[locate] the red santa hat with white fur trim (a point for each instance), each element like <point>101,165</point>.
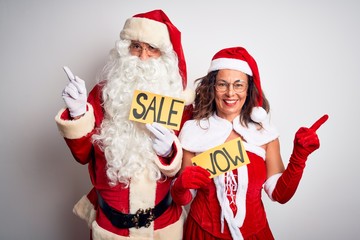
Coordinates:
<point>237,58</point>
<point>156,29</point>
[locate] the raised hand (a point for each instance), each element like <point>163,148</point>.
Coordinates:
<point>306,140</point>
<point>75,94</point>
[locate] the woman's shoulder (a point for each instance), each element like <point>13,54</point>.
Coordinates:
<point>200,135</point>
<point>257,134</point>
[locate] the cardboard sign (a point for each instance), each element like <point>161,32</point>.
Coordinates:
<point>148,107</point>
<point>223,158</point>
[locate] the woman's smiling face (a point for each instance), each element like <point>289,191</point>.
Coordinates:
<point>230,93</point>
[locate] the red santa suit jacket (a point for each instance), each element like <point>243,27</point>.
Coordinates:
<point>143,193</point>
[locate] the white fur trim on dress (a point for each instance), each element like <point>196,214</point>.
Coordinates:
<point>254,134</point>
<point>270,184</point>
<point>200,136</point>
<point>234,222</point>
<point>174,231</point>
<point>230,63</point>
<point>85,210</point>
<point>255,149</point>
<point>74,129</point>
<point>172,169</point>
<point>146,30</point>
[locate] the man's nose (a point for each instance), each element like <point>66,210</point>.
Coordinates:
<point>144,54</point>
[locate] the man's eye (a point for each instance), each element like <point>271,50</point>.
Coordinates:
<point>153,49</point>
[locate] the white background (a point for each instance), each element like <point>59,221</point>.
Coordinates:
<point>308,54</point>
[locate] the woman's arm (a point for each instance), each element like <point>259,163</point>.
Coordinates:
<point>186,159</point>
<point>282,186</point>
<point>274,163</point>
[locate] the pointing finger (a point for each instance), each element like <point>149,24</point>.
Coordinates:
<point>319,122</point>
<point>69,74</point>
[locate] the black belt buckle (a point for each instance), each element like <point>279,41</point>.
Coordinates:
<point>143,218</point>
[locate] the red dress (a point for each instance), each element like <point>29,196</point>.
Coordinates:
<point>204,221</point>
<point>242,206</point>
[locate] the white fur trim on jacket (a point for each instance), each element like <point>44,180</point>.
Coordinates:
<point>74,129</point>
<point>173,232</point>
<point>171,169</point>
<point>85,210</point>
<point>142,195</point>
<point>146,30</point>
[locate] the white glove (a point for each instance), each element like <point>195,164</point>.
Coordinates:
<point>74,94</point>
<point>164,138</point>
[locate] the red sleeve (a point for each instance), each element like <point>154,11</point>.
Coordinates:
<point>81,148</point>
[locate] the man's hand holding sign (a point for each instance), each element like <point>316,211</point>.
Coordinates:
<point>159,113</point>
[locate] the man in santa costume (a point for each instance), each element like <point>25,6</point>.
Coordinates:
<point>131,165</point>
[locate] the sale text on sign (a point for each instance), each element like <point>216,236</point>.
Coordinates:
<point>148,107</point>
<point>223,158</point>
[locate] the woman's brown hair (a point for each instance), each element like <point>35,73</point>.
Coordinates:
<point>205,99</point>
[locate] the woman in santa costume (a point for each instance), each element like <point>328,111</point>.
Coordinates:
<point>230,104</point>
<point>131,165</point>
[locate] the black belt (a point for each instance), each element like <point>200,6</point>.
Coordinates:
<point>142,218</point>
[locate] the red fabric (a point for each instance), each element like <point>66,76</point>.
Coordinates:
<point>193,177</point>
<point>117,197</point>
<point>194,231</point>
<point>306,141</point>
<point>205,209</point>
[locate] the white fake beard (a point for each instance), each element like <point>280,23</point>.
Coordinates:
<point>127,145</point>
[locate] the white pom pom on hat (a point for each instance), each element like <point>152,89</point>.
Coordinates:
<point>237,58</point>
<point>258,114</point>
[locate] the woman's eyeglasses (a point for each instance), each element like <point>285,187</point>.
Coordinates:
<point>239,86</point>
